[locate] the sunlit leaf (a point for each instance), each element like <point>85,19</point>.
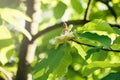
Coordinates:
<point>14,14</point>
<point>98,25</point>
<point>89,69</point>
<point>4,33</point>
<point>76,56</point>
<point>5,42</point>
<point>17,14</point>
<point>3,54</point>
<point>5,74</point>
<point>115,1</point>
<point>81,51</point>
<point>77,6</point>
<point>104,40</point>
<point>56,64</point>
<point>59,10</point>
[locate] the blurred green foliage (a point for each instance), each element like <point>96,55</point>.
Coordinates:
<point>70,60</point>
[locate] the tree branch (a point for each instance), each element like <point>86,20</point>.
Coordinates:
<point>50,28</point>
<point>95,46</point>
<point>27,50</point>
<point>53,27</point>
<point>87,9</point>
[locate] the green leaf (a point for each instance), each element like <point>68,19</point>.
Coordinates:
<point>98,15</point>
<point>99,56</point>
<point>117,30</point>
<point>4,33</point>
<point>90,68</point>
<point>15,14</point>
<point>76,56</point>
<point>98,25</point>
<point>47,66</point>
<point>112,76</point>
<point>5,42</point>
<point>59,10</point>
<point>63,65</point>
<point>117,40</point>
<point>91,51</point>
<point>3,54</point>
<point>80,49</point>
<point>77,6</point>
<point>104,40</point>
<point>5,74</point>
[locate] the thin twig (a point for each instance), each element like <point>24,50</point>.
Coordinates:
<point>87,9</point>
<point>95,46</point>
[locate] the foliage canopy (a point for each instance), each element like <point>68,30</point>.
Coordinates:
<point>87,51</point>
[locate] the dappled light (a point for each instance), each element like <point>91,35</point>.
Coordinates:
<point>59,40</point>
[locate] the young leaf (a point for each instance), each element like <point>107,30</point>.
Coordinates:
<point>14,14</point>
<point>104,40</point>
<point>59,10</point>
<point>77,6</point>
<point>98,25</point>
